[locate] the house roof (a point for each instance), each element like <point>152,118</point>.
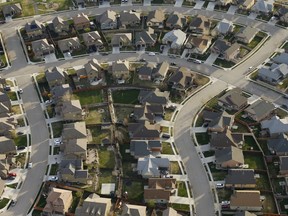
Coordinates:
<point>129,16</point>
<point>4,110</point>
<point>75,146</point>
<point>58,21</point>
<point>162,69</point>
<point>176,37</point>
<point>75,130</point>
<point>133,210</point>
<point>150,165</point>
<point>235,47</point>
<point>71,106</point>
<point>94,205</point>
<point>281,58</point>
<point>61,91</point>
<point>278,145</point>
<point>148,36</point>
<point>120,66</point>
<point>156,16</point>
<point>200,22</point>
<point>224,26</point>
<point>58,198</point>
<point>240,176</point>
<point>260,108</point>
<point>226,139</point>
<point>161,183</point>
<point>92,36</point>
<point>245,198</point>
<point>34,26</point>
<point>70,163</point>
<point>221,45</point>
<point>229,153</point>
<point>107,17</point>
<point>159,188</point>
<point>142,148</point>
<point>182,77</point>
<point>264,6</point>
<point>7,124</point>
<point>6,145</point>
<point>7,9</point>
<point>275,125</point>
<point>233,97</point>
<point>65,44</point>
<point>119,38</point>
<point>247,32</point>
<point>283,163</point>
<point>222,121</point>
<point>81,18</point>
<point>266,72</point>
<point>176,19</point>
<point>200,43</point>
<point>154,97</point>
<point>170,212</point>
<point>144,130</point>
<point>41,44</point>
<point>56,73</point>
<point>146,70</point>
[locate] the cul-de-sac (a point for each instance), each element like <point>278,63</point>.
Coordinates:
<point>143,107</point>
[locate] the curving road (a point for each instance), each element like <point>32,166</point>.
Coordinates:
<point>39,131</point>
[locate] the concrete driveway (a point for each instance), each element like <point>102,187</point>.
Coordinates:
<point>232,9</point>
<point>211,59</point>
<point>199,5</point>
<point>210,6</point>
<point>178,3</point>
<point>50,58</point>
<point>116,50</point>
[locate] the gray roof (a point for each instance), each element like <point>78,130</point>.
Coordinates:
<point>229,153</point>
<point>107,17</point>
<point>223,121</point>
<point>65,44</point>
<point>260,108</point>
<point>146,70</point>
<point>150,165</point>
<point>41,44</point>
<point>162,69</point>
<point>233,97</point>
<point>278,145</point>
<point>148,111</point>
<point>75,130</point>
<point>221,140</point>
<point>144,130</point>
<point>176,19</point>
<point>71,106</point>
<point>240,176</point>
<point>283,163</point>
<point>275,125</point>
<point>200,21</point>
<point>119,38</point>
<point>235,47</point>
<point>264,6</point>
<point>34,26</point>
<point>76,163</point>
<point>182,77</point>
<point>6,145</point>
<point>75,145</point>
<point>247,32</point>
<point>281,58</point>
<point>12,9</point>
<point>148,36</point>
<point>153,97</point>
<point>210,116</point>
<point>5,99</point>
<point>120,66</point>
<point>221,45</point>
<point>142,148</point>
<point>61,91</point>
<point>129,16</point>
<point>55,73</point>
<point>224,26</point>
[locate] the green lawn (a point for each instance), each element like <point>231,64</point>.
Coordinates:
<point>250,143</point>
<point>106,159</point>
<point>199,121</point>
<point>269,205</point>
<point>174,167</point>
<point>20,140</point>
<point>202,138</point>
<point>218,175</point>
<point>3,202</point>
<point>89,97</point>
<point>98,135</point>
<point>42,202</point>
<point>94,116</point>
<point>281,113</point>
<point>56,150</point>
<point>128,170</point>
<point>12,95</point>
<point>262,183</point>
<point>255,161</point>
<point>166,148</point>
<point>57,128</point>
<point>14,186</point>
<point>282,206</point>
<point>54,169</point>
<point>76,198</point>
<point>209,153</point>
<point>126,96</point>
<point>21,159</point>
<point>224,194</point>
<point>256,40</point>
<point>180,207</point>
<point>223,63</point>
<point>105,176</point>
<point>168,114</point>
<point>241,128</point>
<point>135,190</point>
<point>20,122</point>
<point>165,129</point>
<point>182,191</point>
<point>285,46</point>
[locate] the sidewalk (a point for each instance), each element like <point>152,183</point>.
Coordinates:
<point>181,200</point>
<point>171,157</point>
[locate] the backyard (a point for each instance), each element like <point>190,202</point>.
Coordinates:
<point>106,159</point>
<point>254,160</point>
<point>250,144</point>
<point>134,189</point>
<point>126,96</point>
<point>89,97</point>
<point>98,134</point>
<point>97,115</point>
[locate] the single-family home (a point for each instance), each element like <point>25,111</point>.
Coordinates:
<point>55,76</point>
<point>226,139</point>
<point>71,110</point>
<point>121,39</point>
<point>264,6</point>
<point>282,13</point>
<point>224,27</point>
<point>175,21</point>
<point>76,130</point>
<point>181,80</point>
<point>132,210</point>
<point>59,26</point>
<point>69,44</point>
<point>229,157</point>
<point>233,100</point>
<point>246,200</point>
<point>156,18</point>
<point>198,45</point>
<point>81,21</point>
<point>120,69</point>
<point>220,46</point>
<point>200,25</point>
<point>246,34</point>
<point>232,53</point>
<point>92,70</point>
<point>153,97</point>
<point>283,165</point>
<point>274,74</point>
<point>92,40</point>
<point>71,170</point>
<point>58,202</point>
<point>42,48</point>
<point>7,146</point>
<point>282,58</point>
<point>4,99</point>
<point>145,72</point>
<point>275,126</point>
<point>175,39</point>
<point>34,29</point>
<point>143,148</point>
<point>170,212</point>
<point>4,110</point>
<point>278,145</point>
<point>148,112</point>
<point>107,20</point>
<point>94,205</point>
<point>160,71</point>
<point>144,130</point>
<point>12,10</point>
<point>218,122</point>
<point>152,167</point>
<point>159,190</point>
<point>74,148</point>
<point>145,38</point>
<point>7,126</point>
<point>240,179</point>
<point>245,4</point>
<point>61,93</point>
<point>129,18</point>
<point>259,110</point>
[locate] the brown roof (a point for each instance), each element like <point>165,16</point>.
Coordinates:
<point>161,183</point>
<point>246,198</point>
<point>159,188</point>
<point>80,18</point>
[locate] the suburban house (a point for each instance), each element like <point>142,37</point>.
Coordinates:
<point>41,48</point>
<point>224,27</point>
<point>198,45</point>
<point>245,4</point>
<point>61,93</point>
<point>145,72</point>
<point>151,167</point>
<point>240,179</point>
<point>94,205</point>
<point>275,126</point>
<point>129,18</point>
<point>92,40</point>
<point>4,110</point>
<point>232,52</point>
<point>175,39</point>
<point>246,200</point>
<point>259,110</point>
<point>144,130</point>
<point>121,40</point>
<point>263,6</point>
<point>282,58</point>
<point>69,44</point>
<point>159,190</point>
<point>74,148</point>
<point>153,97</point>
<point>143,148</point>
<point>120,69</point>
<point>230,157</point>
<point>107,20</point>
<point>58,202</point>
<point>279,145</point>
<point>233,100</point>
<point>181,80</point>
<point>92,71</point>
<point>170,212</point>
<point>71,110</point>
<point>283,165</point>
<point>274,74</point>
<point>76,130</point>
<point>282,13</point>
<point>148,112</point>
<point>5,100</point>
<point>200,25</point>
<point>81,21</point>
<point>7,146</point>
<point>246,34</point>
<point>226,139</point>
<point>175,21</point>
<point>218,122</point>
<point>220,46</point>
<point>71,170</point>
<point>132,210</point>
<point>7,126</point>
<point>55,76</point>
<point>34,29</point>
<point>155,18</point>
<point>160,71</point>
<point>12,10</point>
<point>145,38</point>
<point>59,26</point>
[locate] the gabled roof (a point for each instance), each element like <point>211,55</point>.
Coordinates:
<point>80,18</point>
<point>162,69</point>
<point>156,16</point>
<point>260,108</point>
<point>6,145</point>
<point>92,36</point>
<point>275,125</point>
<point>120,66</point>
<point>247,32</point>
<point>107,17</point>
<point>281,58</point>
<point>129,16</point>
<point>75,130</point>
<point>224,26</point>
<point>278,145</point>
<point>75,146</point>
<point>56,73</point>
<point>235,47</point>
<point>8,9</point>
<point>227,139</point>
<point>142,148</point>
<point>224,120</point>
<point>34,26</point>
<point>200,22</point>
<point>65,44</point>
<point>153,97</point>
<point>144,130</point>
<point>229,153</point>
<point>233,97</point>
<point>150,165</point>
<point>182,77</point>
<point>58,200</point>
<point>175,37</point>
<point>200,43</point>
<point>221,45</point>
<point>71,106</point>
<point>176,19</point>
<point>121,38</point>
<point>42,45</point>
<point>246,198</point>
<point>146,70</point>
<point>240,176</point>
<point>159,188</point>
<point>61,91</point>
<point>264,6</point>
<point>133,210</point>
<point>146,36</point>
<point>58,21</point>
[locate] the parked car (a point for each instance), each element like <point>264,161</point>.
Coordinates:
<point>30,165</point>
<point>12,174</point>
<point>13,203</point>
<point>196,61</point>
<point>57,141</point>
<point>165,135</point>
<point>151,54</point>
<point>21,147</point>
<point>7,88</point>
<point>173,64</point>
<point>190,60</point>
<point>219,185</point>
<point>20,91</point>
<point>53,178</point>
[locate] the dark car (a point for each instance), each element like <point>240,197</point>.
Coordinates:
<point>21,147</point>
<point>166,136</point>
<point>173,64</point>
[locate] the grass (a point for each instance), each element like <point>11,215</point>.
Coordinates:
<point>122,113</point>
<point>20,140</point>
<point>89,97</point>
<point>54,169</point>
<point>269,206</point>
<point>3,202</point>
<point>182,190</point>
<point>98,135</point>
<point>223,63</point>
<point>224,194</point>
<point>209,153</point>
<point>250,143</point>
<point>16,109</point>
<point>165,129</point>
<point>42,202</point>
<point>106,159</point>
<point>218,175</point>
<point>36,212</point>
<point>126,96</point>
<point>14,186</point>
<point>128,170</point>
<point>105,176</point>
<point>168,114</point>
<point>201,80</point>
<point>57,128</point>
<point>181,207</point>
<point>76,198</point>
<point>262,183</point>
<point>285,46</point>
<point>12,95</point>
<point>21,159</point>
<point>241,128</point>
<point>56,150</point>
<point>277,187</point>
<point>93,116</point>
<point>166,148</point>
<point>62,4</point>
<point>284,202</point>
<point>256,40</point>
<point>255,161</point>
<point>202,138</point>
<point>174,167</point>
<point>135,190</point>
<point>281,113</point>
<point>199,121</point>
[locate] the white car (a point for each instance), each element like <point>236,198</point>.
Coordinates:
<point>53,178</point>
<point>196,61</point>
<point>151,54</point>
<point>20,91</point>
<point>57,141</point>
<point>30,165</point>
